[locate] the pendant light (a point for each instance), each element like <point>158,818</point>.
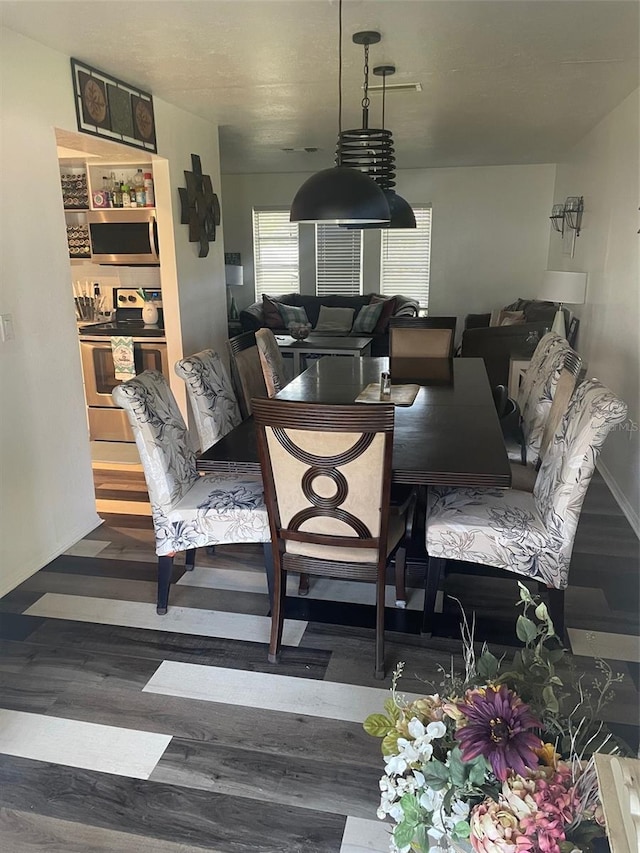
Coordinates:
<point>340,195</point>
<point>376,154</point>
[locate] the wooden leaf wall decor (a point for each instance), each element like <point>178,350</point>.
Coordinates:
<point>200,207</point>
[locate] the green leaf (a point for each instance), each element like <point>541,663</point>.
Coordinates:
<point>457,769</point>
<point>541,612</point>
<point>392,710</point>
<point>410,807</point>
<point>526,630</point>
<point>377,725</point>
<point>403,833</point>
<point>420,838</point>
<point>462,829</point>
<point>390,743</point>
<point>487,666</point>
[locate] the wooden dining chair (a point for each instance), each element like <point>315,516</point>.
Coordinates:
<point>421,337</point>
<point>529,534</point>
<point>211,396</point>
<point>246,370</point>
<point>327,478</point>
<point>273,369</point>
<point>189,511</point>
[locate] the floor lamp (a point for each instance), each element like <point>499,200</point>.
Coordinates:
<point>562,286</point>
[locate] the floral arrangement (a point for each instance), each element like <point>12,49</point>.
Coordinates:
<point>493,761</point>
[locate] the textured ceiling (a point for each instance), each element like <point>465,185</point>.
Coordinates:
<point>513,81</point>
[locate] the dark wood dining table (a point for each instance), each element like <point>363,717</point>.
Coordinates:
<point>450,435</point>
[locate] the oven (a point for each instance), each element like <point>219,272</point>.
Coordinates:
<point>107,422</point>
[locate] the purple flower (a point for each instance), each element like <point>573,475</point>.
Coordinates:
<point>498,728</point>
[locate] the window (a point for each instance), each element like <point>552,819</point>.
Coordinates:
<point>338,260</point>
<point>275,252</point>
<point>405,258</point>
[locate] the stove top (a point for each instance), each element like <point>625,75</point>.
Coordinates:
<point>134,327</point>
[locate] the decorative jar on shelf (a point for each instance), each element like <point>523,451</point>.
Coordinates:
<point>149,314</point>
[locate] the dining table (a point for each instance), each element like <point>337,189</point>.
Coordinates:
<point>449,436</point>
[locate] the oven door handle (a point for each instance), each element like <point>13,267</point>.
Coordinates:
<point>106,339</point>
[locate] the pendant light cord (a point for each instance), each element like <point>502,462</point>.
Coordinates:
<point>339,163</point>
<point>384,90</point>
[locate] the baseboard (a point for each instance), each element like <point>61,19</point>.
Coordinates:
<point>621,499</point>
<point>12,583</point>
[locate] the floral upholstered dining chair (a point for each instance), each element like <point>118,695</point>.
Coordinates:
<point>538,389</point>
<point>530,534</point>
<point>213,402</point>
<point>189,511</point>
<point>273,369</point>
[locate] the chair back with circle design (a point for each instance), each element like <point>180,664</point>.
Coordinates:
<point>421,337</point>
<point>327,476</point>
<point>211,397</point>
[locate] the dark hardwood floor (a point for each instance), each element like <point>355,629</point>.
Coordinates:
<point>124,731</point>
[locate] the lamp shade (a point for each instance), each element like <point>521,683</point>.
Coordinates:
<point>402,216</point>
<point>564,286</point>
<point>340,195</point>
<point>233,275</point>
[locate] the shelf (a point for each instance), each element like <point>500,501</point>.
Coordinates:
<point>77,209</point>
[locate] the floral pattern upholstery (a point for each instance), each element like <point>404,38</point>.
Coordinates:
<point>188,511</point>
<point>272,362</point>
<point>529,534</point>
<point>538,388</point>
<point>213,402</point>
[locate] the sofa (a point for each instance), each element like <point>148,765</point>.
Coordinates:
<point>266,313</point>
<point>514,330</point>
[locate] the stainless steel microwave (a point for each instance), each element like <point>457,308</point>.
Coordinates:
<point>127,237</point>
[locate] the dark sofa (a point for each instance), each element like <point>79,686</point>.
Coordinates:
<point>252,318</point>
<point>497,344</point>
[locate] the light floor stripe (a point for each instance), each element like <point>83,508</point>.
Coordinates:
<point>108,749</point>
<point>123,507</point>
<point>326,699</point>
<point>365,836</point>
<point>601,644</point>
<point>321,589</point>
<point>181,620</point>
<point>87,548</point>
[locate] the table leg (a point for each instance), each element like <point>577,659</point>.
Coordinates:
<point>296,363</point>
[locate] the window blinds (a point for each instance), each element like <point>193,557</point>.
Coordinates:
<point>405,258</point>
<point>338,261</point>
<point>275,253</point>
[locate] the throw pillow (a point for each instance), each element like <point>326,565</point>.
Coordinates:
<point>338,320</point>
<point>291,314</point>
<point>367,318</point>
<point>388,307</point>
<point>511,318</point>
<point>272,317</point>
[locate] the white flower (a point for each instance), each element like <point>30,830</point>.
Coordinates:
<point>395,764</point>
<point>436,730</point>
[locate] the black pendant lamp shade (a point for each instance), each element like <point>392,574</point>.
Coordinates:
<point>340,195</point>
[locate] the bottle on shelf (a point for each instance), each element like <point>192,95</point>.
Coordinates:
<point>116,192</point>
<point>138,188</point>
<point>149,197</point>
<point>126,195</point>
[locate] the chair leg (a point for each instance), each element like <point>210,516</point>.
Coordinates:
<point>277,614</point>
<point>556,610</point>
<point>211,550</point>
<point>303,586</point>
<point>401,565</point>
<point>435,570</point>
<point>165,567</point>
<point>190,559</point>
<point>269,571</point>
<point>380,591</point>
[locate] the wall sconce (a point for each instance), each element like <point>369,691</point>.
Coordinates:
<point>557,217</point>
<point>573,207</point>
<point>568,215</point>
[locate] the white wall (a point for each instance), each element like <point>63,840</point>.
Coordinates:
<point>603,168</point>
<point>46,487</point>
<point>490,229</point>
